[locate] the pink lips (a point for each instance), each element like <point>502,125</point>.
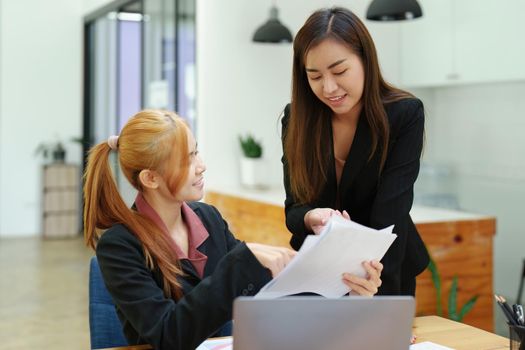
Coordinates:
<point>336,102</point>
<point>199,183</point>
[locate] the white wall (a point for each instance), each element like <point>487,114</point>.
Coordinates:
<point>478,130</point>
<point>92,5</point>
<point>41,47</point>
<point>40,86</point>
<point>243,86</point>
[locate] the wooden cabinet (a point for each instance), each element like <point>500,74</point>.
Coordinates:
<point>460,246</point>
<point>61,200</point>
<point>463,42</point>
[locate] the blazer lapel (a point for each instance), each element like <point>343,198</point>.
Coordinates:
<point>189,270</point>
<point>211,264</point>
<point>358,155</point>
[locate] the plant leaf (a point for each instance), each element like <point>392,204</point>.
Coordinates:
<point>436,280</point>
<point>452,299</point>
<point>467,307</point>
<point>251,148</point>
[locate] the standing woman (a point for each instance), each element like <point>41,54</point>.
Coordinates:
<point>352,143</point>
<point>170,264</point>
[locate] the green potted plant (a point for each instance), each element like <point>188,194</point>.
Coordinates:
<point>251,162</point>
<point>53,152</point>
<point>453,312</point>
<point>251,148</point>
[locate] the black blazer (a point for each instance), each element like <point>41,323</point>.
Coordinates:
<point>373,200</point>
<point>148,316</point>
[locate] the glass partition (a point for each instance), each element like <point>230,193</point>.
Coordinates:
<point>186,77</point>
<point>138,54</point>
<point>169,56</point>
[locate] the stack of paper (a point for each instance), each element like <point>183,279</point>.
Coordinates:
<point>319,265</point>
<point>426,345</point>
<point>225,343</point>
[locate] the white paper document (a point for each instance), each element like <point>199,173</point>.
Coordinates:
<point>225,343</point>
<point>426,345</point>
<point>319,265</point>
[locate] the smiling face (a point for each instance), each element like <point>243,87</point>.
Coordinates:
<point>336,76</point>
<point>193,188</point>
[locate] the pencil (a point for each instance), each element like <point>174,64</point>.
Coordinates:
<point>507,311</point>
<point>507,306</point>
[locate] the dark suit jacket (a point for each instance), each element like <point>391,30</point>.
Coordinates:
<point>373,200</point>
<point>148,316</point>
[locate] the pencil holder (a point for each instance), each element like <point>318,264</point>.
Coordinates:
<point>517,337</point>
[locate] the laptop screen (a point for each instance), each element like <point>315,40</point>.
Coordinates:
<point>317,323</point>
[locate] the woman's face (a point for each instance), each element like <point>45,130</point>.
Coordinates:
<point>336,76</point>
<point>193,187</point>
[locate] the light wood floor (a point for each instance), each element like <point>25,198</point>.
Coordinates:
<point>44,294</point>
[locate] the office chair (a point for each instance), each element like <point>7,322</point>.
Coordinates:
<point>104,325</point>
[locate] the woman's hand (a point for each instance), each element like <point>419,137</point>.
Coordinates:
<point>365,286</point>
<point>273,258</point>
<point>316,219</point>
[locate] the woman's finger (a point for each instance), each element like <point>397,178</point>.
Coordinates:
<point>273,258</point>
<point>359,289</point>
<point>360,285</point>
<point>377,265</point>
<point>373,273</point>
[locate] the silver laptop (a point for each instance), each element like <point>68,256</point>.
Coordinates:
<point>317,323</point>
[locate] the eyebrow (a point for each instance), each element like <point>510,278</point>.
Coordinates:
<point>196,145</point>
<point>330,66</point>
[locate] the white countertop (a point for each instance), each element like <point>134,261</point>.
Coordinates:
<point>275,196</point>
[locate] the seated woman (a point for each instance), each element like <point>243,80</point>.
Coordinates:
<point>170,263</point>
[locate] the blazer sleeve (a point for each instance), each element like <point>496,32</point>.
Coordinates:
<point>163,322</point>
<point>395,192</point>
<point>294,212</point>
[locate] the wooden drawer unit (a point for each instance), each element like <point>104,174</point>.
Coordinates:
<point>61,200</point>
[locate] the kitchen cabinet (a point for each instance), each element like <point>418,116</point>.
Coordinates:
<point>463,42</point>
<point>490,40</point>
<point>386,40</point>
<point>426,46</point>
<point>460,243</point>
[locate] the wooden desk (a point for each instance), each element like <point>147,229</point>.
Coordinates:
<point>438,330</point>
<point>458,336</point>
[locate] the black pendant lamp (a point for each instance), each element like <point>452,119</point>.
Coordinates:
<point>273,31</point>
<point>393,10</point>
